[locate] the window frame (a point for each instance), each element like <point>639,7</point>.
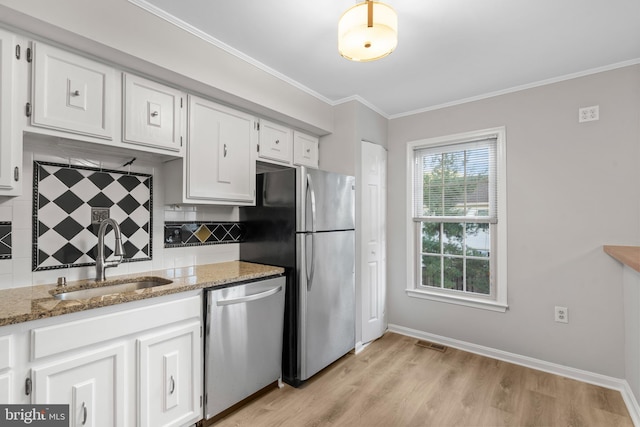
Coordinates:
<point>498,258</point>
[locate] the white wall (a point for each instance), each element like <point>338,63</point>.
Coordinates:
<point>571,188</point>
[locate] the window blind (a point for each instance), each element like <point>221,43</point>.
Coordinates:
<point>456,182</point>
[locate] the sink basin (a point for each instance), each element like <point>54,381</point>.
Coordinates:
<point>112,287</point>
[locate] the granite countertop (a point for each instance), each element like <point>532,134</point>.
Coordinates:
<point>19,305</point>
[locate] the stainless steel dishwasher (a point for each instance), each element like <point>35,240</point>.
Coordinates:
<point>243,341</point>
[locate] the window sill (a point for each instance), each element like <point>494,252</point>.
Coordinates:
<point>459,300</point>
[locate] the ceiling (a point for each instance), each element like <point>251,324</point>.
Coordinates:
<point>448,51</point>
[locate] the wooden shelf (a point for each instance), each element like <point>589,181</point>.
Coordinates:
<point>628,255</point>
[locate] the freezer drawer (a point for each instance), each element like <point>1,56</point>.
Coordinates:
<point>243,341</point>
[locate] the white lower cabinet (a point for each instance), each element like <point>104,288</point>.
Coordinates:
<point>6,374</point>
<point>135,364</point>
<point>170,376</point>
<point>6,385</point>
<point>92,384</point>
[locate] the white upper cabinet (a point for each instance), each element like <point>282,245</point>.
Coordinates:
<point>305,149</point>
<point>276,142</point>
<point>72,93</point>
<point>10,145</point>
<point>153,114</point>
<point>220,165</point>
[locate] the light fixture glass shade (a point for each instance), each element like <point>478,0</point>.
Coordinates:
<point>362,37</point>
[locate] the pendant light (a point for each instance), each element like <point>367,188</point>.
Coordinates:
<point>368,31</point>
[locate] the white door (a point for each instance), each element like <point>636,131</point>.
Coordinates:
<point>373,240</point>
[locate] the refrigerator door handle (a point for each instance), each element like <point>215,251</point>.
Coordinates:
<point>312,194</point>
<point>310,270</point>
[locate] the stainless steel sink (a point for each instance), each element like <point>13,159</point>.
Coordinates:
<point>112,287</point>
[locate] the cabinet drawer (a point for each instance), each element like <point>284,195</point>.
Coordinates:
<point>50,340</point>
<point>152,113</point>
<point>72,93</point>
<point>275,142</point>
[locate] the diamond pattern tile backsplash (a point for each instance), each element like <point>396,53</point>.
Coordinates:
<point>197,233</point>
<point>5,240</point>
<point>63,196</point>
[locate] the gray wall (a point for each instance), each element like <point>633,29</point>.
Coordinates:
<point>571,188</point>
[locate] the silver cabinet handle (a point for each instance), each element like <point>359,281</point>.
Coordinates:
<point>154,114</point>
<point>172,387</point>
<point>84,413</point>
<point>75,93</point>
<point>248,298</point>
<point>225,150</point>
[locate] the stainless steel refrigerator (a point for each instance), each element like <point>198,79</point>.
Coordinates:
<point>304,221</point>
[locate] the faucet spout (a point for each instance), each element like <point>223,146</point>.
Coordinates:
<point>101,262</point>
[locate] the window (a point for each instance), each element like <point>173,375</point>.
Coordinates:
<point>457,220</point>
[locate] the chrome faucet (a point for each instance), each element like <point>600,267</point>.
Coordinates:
<point>101,262</point>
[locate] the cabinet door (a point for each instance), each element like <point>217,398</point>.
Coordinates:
<point>91,383</point>
<point>220,154</point>
<point>71,93</point>
<point>152,113</point>
<point>9,146</point>
<point>276,142</point>
<point>305,150</point>
<point>170,379</point>
<point>6,350</point>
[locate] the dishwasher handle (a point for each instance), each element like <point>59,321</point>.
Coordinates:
<point>253,297</point>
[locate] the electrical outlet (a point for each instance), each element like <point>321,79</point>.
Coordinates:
<point>589,114</point>
<point>562,314</point>
<point>99,214</point>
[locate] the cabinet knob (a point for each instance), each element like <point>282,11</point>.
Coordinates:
<point>75,93</point>
<point>308,150</point>
<point>154,114</point>
<point>225,150</point>
<point>277,141</point>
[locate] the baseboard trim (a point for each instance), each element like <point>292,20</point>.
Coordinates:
<point>618,384</point>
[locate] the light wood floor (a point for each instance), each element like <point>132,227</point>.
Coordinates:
<point>393,382</point>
